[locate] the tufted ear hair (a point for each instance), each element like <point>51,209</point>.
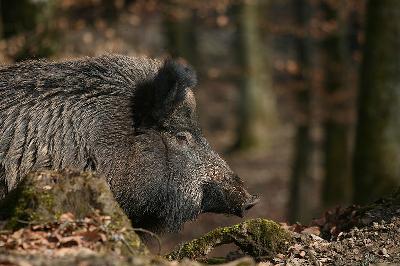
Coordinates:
<point>172,84</point>
<point>157,99</point>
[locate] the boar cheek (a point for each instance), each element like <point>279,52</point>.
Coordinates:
<point>214,199</point>
<point>138,184</point>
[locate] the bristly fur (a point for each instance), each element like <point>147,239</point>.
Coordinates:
<point>132,120</point>
<point>183,75</point>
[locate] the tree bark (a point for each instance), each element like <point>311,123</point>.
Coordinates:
<point>337,181</point>
<point>257,107</point>
<point>180,32</point>
<point>300,202</point>
<point>17,16</point>
<point>377,150</point>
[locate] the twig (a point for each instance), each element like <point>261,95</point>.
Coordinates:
<point>151,234</point>
<point>122,238</point>
<point>28,222</point>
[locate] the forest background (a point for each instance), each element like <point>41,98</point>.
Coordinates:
<point>301,96</point>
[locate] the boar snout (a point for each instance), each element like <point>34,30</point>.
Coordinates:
<point>251,201</point>
<point>247,205</point>
<point>227,196</point>
<point>239,198</point>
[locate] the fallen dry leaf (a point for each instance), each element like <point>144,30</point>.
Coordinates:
<point>67,217</point>
<point>315,230</point>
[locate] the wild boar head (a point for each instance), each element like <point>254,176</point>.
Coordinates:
<point>132,120</point>
<point>174,174</point>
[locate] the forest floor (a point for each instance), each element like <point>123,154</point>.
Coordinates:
<point>355,235</point>
<point>378,243</point>
<point>351,236</point>
<point>345,236</point>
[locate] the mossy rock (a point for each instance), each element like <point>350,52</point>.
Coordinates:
<point>259,238</point>
<point>42,197</point>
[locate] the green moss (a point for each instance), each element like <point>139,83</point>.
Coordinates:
<point>21,207</point>
<point>268,236</point>
<point>257,238</point>
<point>43,196</point>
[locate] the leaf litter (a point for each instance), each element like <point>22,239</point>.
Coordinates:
<point>57,238</point>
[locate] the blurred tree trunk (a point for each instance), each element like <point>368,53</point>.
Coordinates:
<point>23,18</point>
<point>335,54</point>
<point>1,20</point>
<point>377,150</point>
<point>180,31</point>
<point>17,16</point>
<point>111,10</point>
<point>300,202</point>
<point>257,107</point>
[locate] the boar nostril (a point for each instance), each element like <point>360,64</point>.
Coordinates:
<point>253,201</point>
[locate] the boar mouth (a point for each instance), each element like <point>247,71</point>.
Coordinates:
<point>254,200</point>
<point>217,200</point>
<point>247,206</point>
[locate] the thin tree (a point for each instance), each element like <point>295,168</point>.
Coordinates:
<point>181,31</point>
<point>300,205</point>
<point>23,17</point>
<point>335,54</point>
<point>18,16</point>
<point>257,107</point>
<point>377,150</point>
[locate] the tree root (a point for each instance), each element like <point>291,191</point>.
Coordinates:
<point>259,238</point>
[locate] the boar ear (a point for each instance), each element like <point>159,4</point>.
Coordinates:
<point>172,84</point>
<point>155,101</point>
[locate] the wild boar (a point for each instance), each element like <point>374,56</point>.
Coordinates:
<point>132,120</point>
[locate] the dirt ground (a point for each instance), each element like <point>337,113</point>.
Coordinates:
<point>351,236</point>
<point>378,243</point>
<point>355,235</point>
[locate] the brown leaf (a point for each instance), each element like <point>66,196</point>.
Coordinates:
<point>53,239</point>
<point>296,248</point>
<point>103,237</point>
<point>25,245</point>
<point>312,230</point>
<point>67,217</point>
<point>70,241</point>
<point>92,236</point>
<point>17,234</point>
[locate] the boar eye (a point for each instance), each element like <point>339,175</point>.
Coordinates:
<point>183,137</point>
